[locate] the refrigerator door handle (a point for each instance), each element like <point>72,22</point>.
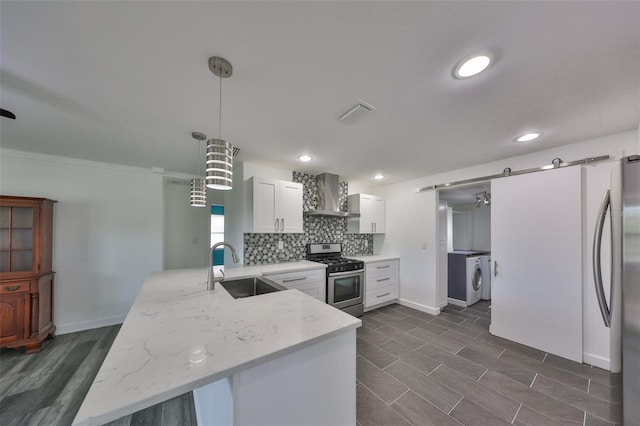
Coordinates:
<point>596,258</point>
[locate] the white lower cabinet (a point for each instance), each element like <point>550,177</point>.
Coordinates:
<point>312,282</point>
<point>381,283</point>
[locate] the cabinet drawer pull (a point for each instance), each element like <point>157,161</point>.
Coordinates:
<point>294,279</point>
<point>384,279</point>
<point>11,287</point>
<point>383,295</point>
<point>382,267</point>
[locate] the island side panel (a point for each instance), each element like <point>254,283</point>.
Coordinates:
<point>315,385</point>
<point>214,403</point>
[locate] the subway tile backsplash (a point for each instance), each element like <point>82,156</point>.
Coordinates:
<point>263,248</point>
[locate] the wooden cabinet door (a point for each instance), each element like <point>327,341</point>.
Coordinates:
<point>366,216</point>
<point>378,215</point>
<point>12,318</point>
<point>290,207</point>
<point>264,205</point>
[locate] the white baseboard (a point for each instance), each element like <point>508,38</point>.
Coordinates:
<point>87,325</point>
<point>457,302</point>
<point>424,308</point>
<point>596,361</point>
<point>442,304</point>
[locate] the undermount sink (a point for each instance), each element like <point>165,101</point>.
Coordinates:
<point>247,287</point>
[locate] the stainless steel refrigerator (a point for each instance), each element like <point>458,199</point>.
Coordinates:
<point>622,312</point>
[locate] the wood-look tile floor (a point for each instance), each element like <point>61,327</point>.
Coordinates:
<point>419,369</point>
<point>412,369</point>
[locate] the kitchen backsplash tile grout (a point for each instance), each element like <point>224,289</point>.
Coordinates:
<point>263,248</point>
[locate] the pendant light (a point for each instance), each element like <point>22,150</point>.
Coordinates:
<point>198,190</point>
<point>219,163</point>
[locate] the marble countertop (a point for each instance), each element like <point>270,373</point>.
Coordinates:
<point>374,258</point>
<point>178,337</point>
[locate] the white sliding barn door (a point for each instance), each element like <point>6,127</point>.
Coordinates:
<point>536,240</point>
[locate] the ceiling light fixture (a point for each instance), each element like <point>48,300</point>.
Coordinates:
<point>305,158</point>
<point>471,66</point>
<point>379,176</point>
<point>198,190</point>
<point>528,137</point>
<point>219,170</point>
<point>483,199</point>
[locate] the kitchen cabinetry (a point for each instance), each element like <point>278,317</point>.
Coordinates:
<point>312,282</point>
<point>372,214</point>
<point>274,206</point>
<point>26,278</point>
<point>381,282</point>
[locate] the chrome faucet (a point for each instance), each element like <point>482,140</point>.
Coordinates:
<point>211,278</point>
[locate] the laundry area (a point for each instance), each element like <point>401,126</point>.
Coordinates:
<point>468,230</point>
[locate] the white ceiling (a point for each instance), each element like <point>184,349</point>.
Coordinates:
<point>127,82</point>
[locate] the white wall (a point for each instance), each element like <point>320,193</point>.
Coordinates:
<point>411,223</point>
<point>481,227</point>
<point>107,232</point>
<point>411,216</point>
<point>187,231</point>
<point>471,227</point>
<point>462,229</point>
<point>252,169</point>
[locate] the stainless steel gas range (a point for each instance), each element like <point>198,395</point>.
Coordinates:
<point>345,277</point>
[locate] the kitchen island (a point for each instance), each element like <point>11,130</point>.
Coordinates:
<point>277,358</point>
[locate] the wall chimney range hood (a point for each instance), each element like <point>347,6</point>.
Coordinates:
<point>328,197</point>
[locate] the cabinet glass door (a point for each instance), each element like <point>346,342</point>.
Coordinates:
<point>16,239</point>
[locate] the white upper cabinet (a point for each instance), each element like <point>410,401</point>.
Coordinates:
<point>274,205</point>
<point>372,214</point>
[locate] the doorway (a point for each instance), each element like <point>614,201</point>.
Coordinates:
<point>465,246</point>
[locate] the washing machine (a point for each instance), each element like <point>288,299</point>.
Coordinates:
<point>474,280</point>
<point>485,262</point>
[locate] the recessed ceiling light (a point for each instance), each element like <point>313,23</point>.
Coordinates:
<point>472,66</point>
<point>378,176</point>
<point>305,158</point>
<point>528,137</point>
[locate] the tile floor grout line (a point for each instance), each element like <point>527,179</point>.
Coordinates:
<point>482,375</point>
<point>402,417</point>
<point>588,386</point>
<point>454,407</point>
<point>584,419</point>
<point>456,352</point>
<point>441,364</point>
<point>403,394</point>
<point>503,351</point>
<point>374,394</point>
<point>383,369</point>
<point>516,414</point>
<point>433,370</point>
<point>533,381</point>
<point>545,357</point>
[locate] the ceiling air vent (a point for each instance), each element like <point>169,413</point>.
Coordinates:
<point>355,112</point>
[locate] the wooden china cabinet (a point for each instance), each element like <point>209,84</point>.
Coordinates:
<point>26,278</point>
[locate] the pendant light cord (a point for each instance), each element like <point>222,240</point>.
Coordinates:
<point>199,162</point>
<point>220,111</point>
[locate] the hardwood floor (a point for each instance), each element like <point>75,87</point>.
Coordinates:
<point>48,387</point>
<point>412,369</point>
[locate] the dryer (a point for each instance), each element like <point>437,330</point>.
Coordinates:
<point>474,280</point>
<point>485,262</point>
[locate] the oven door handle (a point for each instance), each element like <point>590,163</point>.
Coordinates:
<point>340,274</point>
